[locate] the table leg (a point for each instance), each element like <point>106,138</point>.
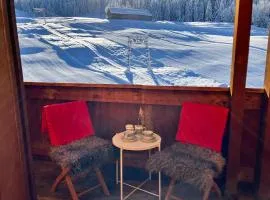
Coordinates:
<point>121,174</point>
<point>159,180</point>
<point>116,172</point>
<point>149,156</point>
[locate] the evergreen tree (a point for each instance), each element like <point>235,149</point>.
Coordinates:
<point>180,10</point>
<point>209,12</point>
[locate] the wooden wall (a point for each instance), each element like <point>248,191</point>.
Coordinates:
<point>112,107</point>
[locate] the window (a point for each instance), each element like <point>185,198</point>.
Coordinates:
<point>149,42</point>
<point>258,43</point>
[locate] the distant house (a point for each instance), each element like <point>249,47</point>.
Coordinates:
<point>128,13</point>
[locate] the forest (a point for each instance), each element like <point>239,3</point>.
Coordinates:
<point>170,10</point>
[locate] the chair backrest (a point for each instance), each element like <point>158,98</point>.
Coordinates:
<point>66,122</point>
<point>202,125</point>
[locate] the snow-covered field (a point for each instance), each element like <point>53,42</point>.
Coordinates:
<point>93,50</point>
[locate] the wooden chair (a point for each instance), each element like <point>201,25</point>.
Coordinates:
<point>75,148</point>
<point>195,157</point>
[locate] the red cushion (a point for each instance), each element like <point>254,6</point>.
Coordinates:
<point>202,125</point>
<point>66,122</point>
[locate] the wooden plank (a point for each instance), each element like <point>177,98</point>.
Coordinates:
<point>141,96</point>
<point>123,95</point>
<point>250,136</point>
<point>253,99</point>
<point>123,86</point>
<point>264,164</point>
<point>15,167</point>
<point>267,69</point>
<point>250,141</point>
<point>237,88</point>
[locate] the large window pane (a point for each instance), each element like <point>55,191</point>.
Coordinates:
<point>186,42</point>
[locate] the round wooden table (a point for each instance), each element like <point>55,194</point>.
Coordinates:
<point>135,146</point>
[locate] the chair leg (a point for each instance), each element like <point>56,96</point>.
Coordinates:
<point>170,189</point>
<point>217,190</point>
<point>71,188</point>
<point>59,179</point>
<point>102,182</point>
<point>207,192</point>
<point>176,198</point>
<point>116,172</point>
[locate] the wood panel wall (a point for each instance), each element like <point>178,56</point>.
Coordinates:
<point>111,112</point>
<point>107,103</point>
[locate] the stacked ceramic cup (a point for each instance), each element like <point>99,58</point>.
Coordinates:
<point>129,134</point>
<point>139,129</point>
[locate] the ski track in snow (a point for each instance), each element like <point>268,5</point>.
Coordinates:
<point>91,47</point>
<point>92,50</point>
<point>114,65</point>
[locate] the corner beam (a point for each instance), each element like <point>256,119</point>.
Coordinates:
<point>242,26</point>
<point>264,164</point>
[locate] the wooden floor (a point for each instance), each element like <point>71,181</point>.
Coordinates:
<point>46,172</point>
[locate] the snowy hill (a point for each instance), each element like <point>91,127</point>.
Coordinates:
<point>93,50</point>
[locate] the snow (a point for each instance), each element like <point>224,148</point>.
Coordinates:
<point>130,11</point>
<point>93,50</point>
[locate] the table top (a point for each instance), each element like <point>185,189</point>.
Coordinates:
<point>135,146</point>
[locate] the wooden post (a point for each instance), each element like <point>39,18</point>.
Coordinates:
<point>243,13</point>
<point>267,69</point>
<point>16,180</point>
<point>264,164</point>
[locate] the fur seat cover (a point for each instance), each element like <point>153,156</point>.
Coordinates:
<point>83,154</point>
<point>189,163</point>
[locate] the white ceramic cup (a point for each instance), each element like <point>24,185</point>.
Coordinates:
<point>129,127</point>
<point>139,129</point>
<point>129,134</point>
<point>148,133</point>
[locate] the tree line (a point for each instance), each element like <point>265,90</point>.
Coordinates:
<point>171,10</point>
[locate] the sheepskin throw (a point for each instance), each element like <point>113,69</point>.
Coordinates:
<point>83,154</point>
<point>189,163</point>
